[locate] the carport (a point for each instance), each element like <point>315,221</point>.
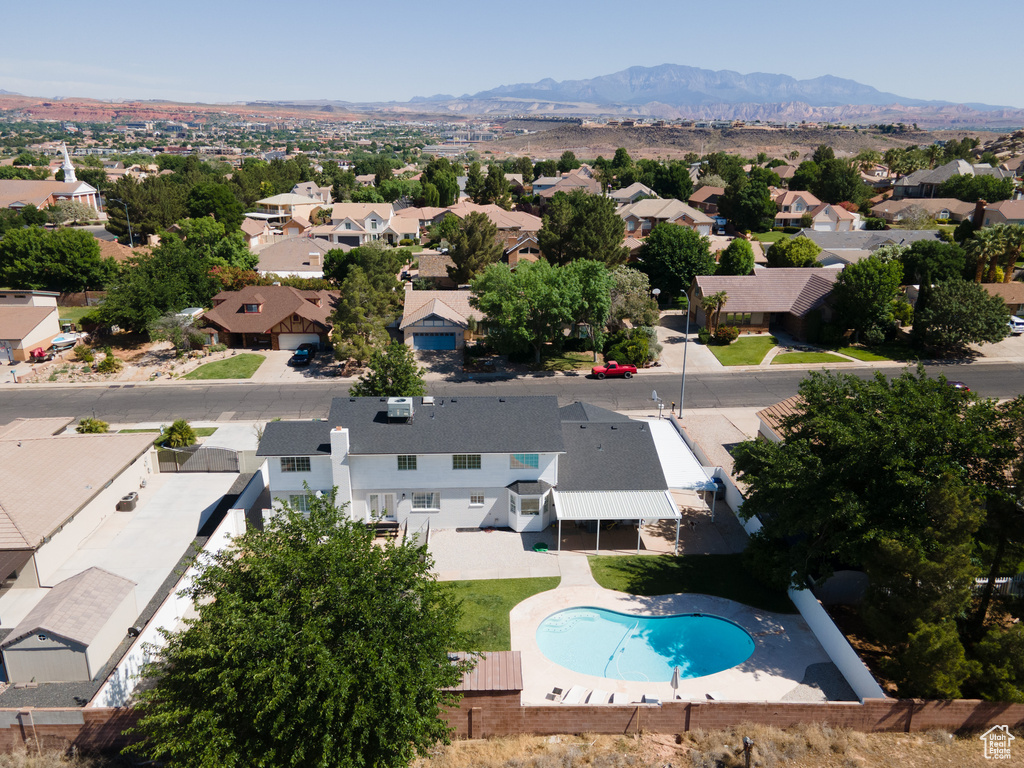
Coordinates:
<point>638,506</point>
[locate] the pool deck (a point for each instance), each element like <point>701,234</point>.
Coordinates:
<point>785,647</point>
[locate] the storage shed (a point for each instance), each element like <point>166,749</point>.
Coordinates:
<point>73,631</point>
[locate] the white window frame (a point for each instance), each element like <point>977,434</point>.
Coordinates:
<point>476,499</point>
<point>531,499</point>
<point>469,459</point>
<point>296,464</point>
<point>299,502</point>
<point>432,500</point>
<point>410,463</point>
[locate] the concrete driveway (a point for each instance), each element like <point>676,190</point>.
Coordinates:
<point>276,368</point>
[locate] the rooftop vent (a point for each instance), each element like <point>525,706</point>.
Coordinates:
<point>428,399</point>
<point>399,407</point>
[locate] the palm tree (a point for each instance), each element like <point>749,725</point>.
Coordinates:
<point>712,306</point>
<point>981,248</point>
<point>1012,238</point>
<point>996,253</point>
<point>179,435</point>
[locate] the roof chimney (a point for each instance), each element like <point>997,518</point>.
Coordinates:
<point>978,219</point>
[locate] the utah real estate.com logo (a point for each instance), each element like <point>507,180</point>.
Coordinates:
<point>997,742</point>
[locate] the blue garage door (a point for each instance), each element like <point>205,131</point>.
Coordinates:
<point>433,341</point>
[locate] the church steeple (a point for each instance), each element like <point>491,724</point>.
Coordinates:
<point>68,168</point>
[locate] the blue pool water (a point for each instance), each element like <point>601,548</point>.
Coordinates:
<point>621,646</point>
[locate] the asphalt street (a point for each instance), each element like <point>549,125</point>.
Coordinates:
<point>311,399</point>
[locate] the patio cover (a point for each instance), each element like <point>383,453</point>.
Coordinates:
<point>681,468</point>
<point>615,505</point>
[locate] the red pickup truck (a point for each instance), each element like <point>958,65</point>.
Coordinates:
<point>613,368</point>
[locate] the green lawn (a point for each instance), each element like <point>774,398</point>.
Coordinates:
<point>792,358</point>
<point>200,431</point>
<point>769,237</point>
<point>717,575</point>
<point>895,350</point>
<point>74,314</point>
<point>485,607</point>
<point>748,350</point>
<point>566,361</point>
<point>237,367</point>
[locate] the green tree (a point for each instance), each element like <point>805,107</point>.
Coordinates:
<point>217,200</point>
<point>794,252</point>
<point>441,174</point>
<point>822,153</point>
<point>474,246</point>
<point>545,168</point>
<point>932,261</point>
<point>958,313</point>
<point>737,258</point>
<point>361,317</point>
<point>971,188</point>
<point>69,210</point>
<point>179,331</point>
<point>631,299</point>
<point>932,662</point>
<point>391,372</point>
<point>497,190</point>
<point>567,162</point>
<point>475,183</point>
<point>582,226</point>
<point>314,645</point>
<point>712,307</point>
<point>589,286</point>
<point>90,426</point>
<point>839,181</point>
<point>672,180</point>
<point>206,238</point>
<point>525,309</point>
<point>729,167</point>
<point>443,232</point>
<point>63,260</point>
<point>672,256</point>
<point>863,294</point>
<point>179,435</point>
<point>748,205</point>
<point>805,177</point>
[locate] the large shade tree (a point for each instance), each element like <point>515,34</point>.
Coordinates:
<point>314,645</point>
<point>579,225</point>
<point>672,256</point>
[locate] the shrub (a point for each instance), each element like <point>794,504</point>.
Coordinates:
<point>727,334</point>
<point>405,241</point>
<point>92,427</point>
<point>831,335</point>
<point>218,347</point>
<point>703,335</point>
<point>109,364</point>
<point>874,224</point>
<point>84,354</point>
<point>179,435</point>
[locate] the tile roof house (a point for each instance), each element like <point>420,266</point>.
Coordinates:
<point>925,183</point>
<point>256,232</point>
<point>294,257</point>
<point>433,320</point>
<point>949,208</point>
<point>832,218</point>
<point>28,320</point>
<point>355,224</point>
<point>1004,212</point>
<point>771,418</point>
<point>312,190</point>
<point>642,216</point>
<point>72,632</point>
<point>433,266</point>
<point>549,186</point>
<point>791,207</point>
<point>279,208</point>
<point>274,316</point>
<point>17,193</point>
<point>1011,293</point>
<point>631,194</point>
<point>456,462</point>
<point>782,297</point>
<point>706,199</point>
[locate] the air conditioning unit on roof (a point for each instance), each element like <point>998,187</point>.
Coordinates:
<point>399,407</point>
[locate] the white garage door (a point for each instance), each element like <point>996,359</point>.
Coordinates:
<point>292,340</point>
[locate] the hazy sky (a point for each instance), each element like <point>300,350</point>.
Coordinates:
<point>230,50</point>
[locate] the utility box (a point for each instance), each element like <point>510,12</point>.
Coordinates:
<point>128,503</point>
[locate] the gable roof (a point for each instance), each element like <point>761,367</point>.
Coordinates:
<point>19,321</point>
<point>287,198</point>
<point>1011,293</point>
<point>278,302</point>
<point>360,211</point>
<point>38,192</point>
<point>434,263</point>
<point>111,249</point>
<point>569,183</point>
<point>706,193</point>
<point>609,456</point>
<point>836,212</point>
<point>667,210</point>
<point>580,411</point>
<point>456,300</point>
<point>75,609</point>
<point>789,198</point>
<point>292,255</point>
<point>793,290</point>
<point>435,308</point>
<point>930,205</point>
<point>863,239</point>
<point>773,415</point>
<point>22,428</point>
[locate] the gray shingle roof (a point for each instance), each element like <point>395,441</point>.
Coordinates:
<point>524,488</point>
<point>295,438</point>
<point>609,457</point>
<point>586,412</point>
<point>77,608</point>
<point>451,425</point>
<point>862,239</point>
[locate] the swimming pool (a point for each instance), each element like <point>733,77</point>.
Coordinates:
<point>622,646</point>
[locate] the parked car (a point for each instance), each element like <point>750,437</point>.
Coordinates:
<point>312,349</point>
<point>1016,325</point>
<point>612,368</point>
<point>303,356</point>
<point>959,386</point>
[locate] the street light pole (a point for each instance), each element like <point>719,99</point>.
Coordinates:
<point>131,237</point>
<point>686,346</point>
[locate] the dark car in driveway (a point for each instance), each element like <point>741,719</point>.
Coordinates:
<point>303,356</point>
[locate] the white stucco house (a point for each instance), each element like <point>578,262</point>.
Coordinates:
<point>468,462</point>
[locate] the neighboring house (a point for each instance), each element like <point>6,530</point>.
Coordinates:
<point>893,211</point>
<point>294,257</point>
<point>642,216</point>
<point>311,190</point>
<point>1004,212</point>
<point>631,194</point>
<point>111,249</point>
<point>437,319</point>
<point>784,172</point>
<point>791,207</point>
<point>1011,293</point>
<point>470,462</point>
<point>567,184</point>
<point>433,266</point>
<point>706,199</point>
<point>256,232</point>
<point>771,418</point>
<point>279,208</point>
<point>526,248</point>
<point>782,297</point>
<point>356,224</point>
<point>925,183</point>
<point>867,240</point>
<point>274,316</point>
<point>832,218</point>
<point>18,193</point>
<point>71,633</point>
<point>55,490</point>
<point>295,226</point>
<point>28,320</point>
<point>512,225</point>
<point>841,257</point>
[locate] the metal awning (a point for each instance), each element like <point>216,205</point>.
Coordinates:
<point>614,505</point>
